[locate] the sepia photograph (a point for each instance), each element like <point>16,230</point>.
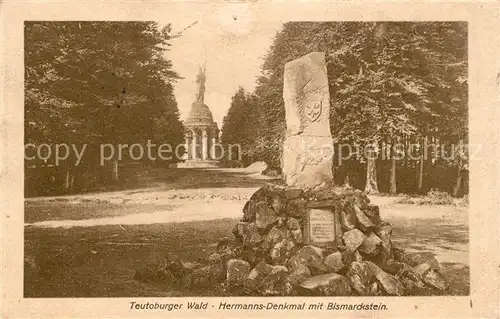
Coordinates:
<point>180,158</point>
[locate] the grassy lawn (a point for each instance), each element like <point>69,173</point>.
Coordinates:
<point>100,261</point>
<point>135,177</point>
<point>59,210</point>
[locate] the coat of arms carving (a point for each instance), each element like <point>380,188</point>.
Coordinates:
<point>313,110</point>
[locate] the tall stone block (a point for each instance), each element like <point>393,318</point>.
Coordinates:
<point>308,145</point>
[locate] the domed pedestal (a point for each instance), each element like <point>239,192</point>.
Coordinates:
<point>201,139</point>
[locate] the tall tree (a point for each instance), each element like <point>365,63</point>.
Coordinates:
<point>98,82</point>
<point>239,127</point>
<point>388,81</point>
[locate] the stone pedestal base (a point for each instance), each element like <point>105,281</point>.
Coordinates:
<point>307,161</point>
<point>199,164</point>
<point>329,242</point>
<point>288,243</point>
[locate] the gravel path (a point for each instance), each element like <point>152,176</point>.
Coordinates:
<point>442,230</point>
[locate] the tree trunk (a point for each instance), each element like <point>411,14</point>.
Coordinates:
<point>67,180</point>
<point>393,189</point>
<point>421,168</point>
<point>72,183</point>
<point>458,184</point>
<point>371,177</point>
<point>115,170</point>
<point>405,150</point>
<point>347,182</point>
<point>420,173</point>
<point>371,186</point>
<point>347,179</point>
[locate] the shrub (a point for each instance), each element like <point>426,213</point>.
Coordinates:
<point>463,202</point>
<point>433,197</point>
<point>436,197</point>
<point>406,199</point>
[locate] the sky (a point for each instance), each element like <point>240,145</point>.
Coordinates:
<point>233,45</point>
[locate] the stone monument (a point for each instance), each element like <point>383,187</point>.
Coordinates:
<point>308,146</point>
<point>309,237</point>
<point>202,134</point>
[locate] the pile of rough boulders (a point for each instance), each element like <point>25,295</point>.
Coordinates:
<point>269,256</point>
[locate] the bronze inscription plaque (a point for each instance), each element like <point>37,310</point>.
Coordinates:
<point>320,226</point>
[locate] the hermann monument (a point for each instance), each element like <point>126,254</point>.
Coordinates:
<point>202,133</point>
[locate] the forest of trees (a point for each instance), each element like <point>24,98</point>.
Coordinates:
<point>391,83</point>
<point>95,83</point>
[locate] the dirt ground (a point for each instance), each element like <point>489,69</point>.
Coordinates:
<point>90,245</point>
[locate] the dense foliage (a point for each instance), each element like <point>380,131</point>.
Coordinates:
<point>239,126</point>
<point>389,82</point>
<point>98,82</point>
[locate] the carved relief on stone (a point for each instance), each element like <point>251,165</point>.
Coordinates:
<point>313,111</point>
<point>308,144</point>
